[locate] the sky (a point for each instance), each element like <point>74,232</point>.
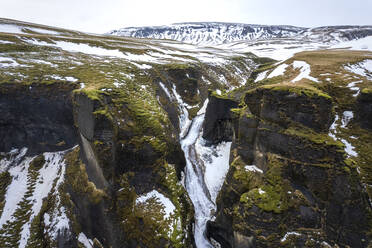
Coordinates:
<point>100,16</point>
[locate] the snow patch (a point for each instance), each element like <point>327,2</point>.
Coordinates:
<point>43,31</point>
<point>304,71</point>
<point>278,71</point>
<point>253,168</point>
<point>261,76</point>
<point>142,66</point>
<point>7,62</point>
<point>169,208</point>
<point>347,116</point>
<point>216,163</point>
<point>47,174</point>
<point>352,87</point>
<point>88,243</point>
<point>166,91</point>
<point>16,190</point>
<point>10,28</point>
<point>289,234</point>
<point>349,148</point>
<point>363,68</point>
<point>360,44</point>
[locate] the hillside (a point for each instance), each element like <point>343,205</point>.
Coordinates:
<point>112,141</point>
<point>217,33</point>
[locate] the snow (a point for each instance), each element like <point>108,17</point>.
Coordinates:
<point>261,76</point>
<point>58,221</point>
<point>216,163</point>
<point>11,28</point>
<point>354,88</point>
<point>88,243</point>
<point>332,129</point>
<point>184,121</point>
<point>218,92</point>
<point>349,148</point>
<point>72,79</point>
<point>166,91</point>
<point>82,85</point>
<point>347,116</point>
<point>68,78</point>
<point>253,168</point>
<point>261,192</point>
<point>289,234</point>
<point>169,208</point>
<point>278,71</point>
<point>85,48</point>
<point>43,31</point>
<point>7,62</point>
<point>47,174</point>
<point>195,184</point>
<point>203,109</point>
<point>142,66</point>
<point>5,42</point>
<point>207,34</point>
<point>16,190</point>
<point>363,68</point>
<point>360,44</point>
<point>304,71</point>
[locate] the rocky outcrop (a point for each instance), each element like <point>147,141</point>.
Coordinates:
<point>37,116</point>
<point>217,126</point>
<point>289,183</point>
<point>364,109</point>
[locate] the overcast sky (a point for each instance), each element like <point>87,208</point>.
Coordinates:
<point>100,16</point>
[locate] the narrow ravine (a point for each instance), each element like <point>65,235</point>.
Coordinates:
<point>195,185</point>
<point>202,191</point>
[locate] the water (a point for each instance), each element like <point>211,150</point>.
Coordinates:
<point>195,185</point>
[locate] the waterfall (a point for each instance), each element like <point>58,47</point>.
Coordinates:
<point>205,171</point>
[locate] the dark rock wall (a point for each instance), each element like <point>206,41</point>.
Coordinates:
<point>37,117</point>
<point>307,183</point>
<point>217,126</point>
<point>364,109</point>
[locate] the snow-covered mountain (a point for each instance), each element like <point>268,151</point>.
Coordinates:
<point>215,33</point>
<point>210,33</point>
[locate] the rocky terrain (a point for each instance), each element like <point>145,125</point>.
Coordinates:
<point>110,141</point>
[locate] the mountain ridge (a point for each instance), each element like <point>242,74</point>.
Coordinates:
<point>216,33</point>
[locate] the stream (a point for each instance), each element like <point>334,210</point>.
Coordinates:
<point>194,182</point>
<point>202,162</point>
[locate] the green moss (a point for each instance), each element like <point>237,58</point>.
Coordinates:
<point>317,138</point>
<point>307,90</point>
<point>223,95</point>
<point>5,180</point>
<point>37,163</point>
<point>193,112</point>
<point>367,91</point>
<point>10,233</point>
<point>77,179</point>
<point>183,214</point>
<point>143,222</point>
<point>272,195</point>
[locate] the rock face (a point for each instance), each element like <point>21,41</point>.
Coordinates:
<point>217,126</point>
<point>289,183</point>
<point>364,109</point>
<point>37,117</point>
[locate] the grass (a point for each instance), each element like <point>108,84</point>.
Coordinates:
<point>10,234</point>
